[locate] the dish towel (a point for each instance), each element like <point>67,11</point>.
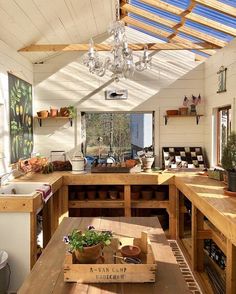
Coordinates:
<point>46,192</point>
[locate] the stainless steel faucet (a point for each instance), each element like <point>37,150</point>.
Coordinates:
<point>4,177</point>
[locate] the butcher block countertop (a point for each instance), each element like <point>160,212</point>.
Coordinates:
<point>206,194</point>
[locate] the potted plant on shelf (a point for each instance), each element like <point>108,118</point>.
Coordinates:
<point>87,245</point>
<point>69,111</point>
<point>228,161</point>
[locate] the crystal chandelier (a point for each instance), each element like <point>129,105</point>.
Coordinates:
<point>121,64</point>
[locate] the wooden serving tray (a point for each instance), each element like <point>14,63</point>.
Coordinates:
<point>113,270</point>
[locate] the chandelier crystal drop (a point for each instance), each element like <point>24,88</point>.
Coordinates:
<point>121,63</point>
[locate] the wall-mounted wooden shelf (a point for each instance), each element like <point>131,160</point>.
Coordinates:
<point>54,117</point>
<point>197,116</point>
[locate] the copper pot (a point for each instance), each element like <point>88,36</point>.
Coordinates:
<point>43,113</point>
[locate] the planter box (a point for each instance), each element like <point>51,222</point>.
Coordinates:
<point>113,270</point>
<point>215,174</point>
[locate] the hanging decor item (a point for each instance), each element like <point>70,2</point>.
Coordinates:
<point>192,103</point>
<point>116,94</point>
<point>21,120</point>
<point>121,64</point>
<point>222,79</point>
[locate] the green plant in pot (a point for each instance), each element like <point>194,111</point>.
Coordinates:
<point>72,111</point>
<point>87,245</point>
<point>228,161</point>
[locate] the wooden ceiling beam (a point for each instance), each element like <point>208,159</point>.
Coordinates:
<point>160,33</point>
<point>183,19</point>
<point>103,47</point>
<point>218,6</point>
<point>172,24</point>
<point>191,16</point>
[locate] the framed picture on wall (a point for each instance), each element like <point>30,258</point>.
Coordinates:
<point>116,94</point>
<point>21,118</point>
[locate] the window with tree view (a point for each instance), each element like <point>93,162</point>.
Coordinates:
<point>119,135</point>
<point>223,129</point>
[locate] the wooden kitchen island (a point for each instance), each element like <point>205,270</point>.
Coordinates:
<point>212,214</point>
<point>47,274</point>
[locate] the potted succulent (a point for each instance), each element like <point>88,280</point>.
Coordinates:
<point>228,161</point>
<point>87,245</point>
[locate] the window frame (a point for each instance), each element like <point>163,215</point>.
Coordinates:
<point>83,142</point>
<point>218,143</point>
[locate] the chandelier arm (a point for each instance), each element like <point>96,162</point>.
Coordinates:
<point>122,64</point>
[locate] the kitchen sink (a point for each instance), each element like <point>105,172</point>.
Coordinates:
<point>20,188</point>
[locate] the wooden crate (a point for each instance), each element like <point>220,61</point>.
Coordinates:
<point>113,270</point>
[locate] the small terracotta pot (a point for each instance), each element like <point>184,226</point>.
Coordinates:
<point>43,113</point>
<point>146,195</point>
<point>134,195</point>
<point>159,195</point>
<point>102,194</point>
<point>64,111</point>
<point>136,188</point>
<point>53,112</point>
<point>130,251</point>
<point>121,195</point>
<point>113,194</point>
<point>89,254</point>
<point>91,194</point>
<point>81,195</point>
<point>183,110</point>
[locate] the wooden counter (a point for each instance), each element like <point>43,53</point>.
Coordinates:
<point>208,200</point>
<point>208,196</point>
<point>47,274</point>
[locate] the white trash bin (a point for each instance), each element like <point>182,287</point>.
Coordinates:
<point>4,272</point>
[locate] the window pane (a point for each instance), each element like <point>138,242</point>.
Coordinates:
<point>224,129</point>
<point>119,135</point>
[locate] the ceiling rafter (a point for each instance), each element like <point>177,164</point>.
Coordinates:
<point>191,16</point>
<point>172,24</point>
<point>218,6</point>
<point>106,47</point>
<point>160,33</point>
<point>183,19</point>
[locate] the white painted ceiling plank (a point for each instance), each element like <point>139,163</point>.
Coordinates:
<point>102,14</point>
<point>38,20</point>
<point>47,9</point>
<point>83,16</point>
<point>12,15</point>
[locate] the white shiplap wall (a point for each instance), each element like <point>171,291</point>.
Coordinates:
<point>10,61</point>
<point>213,100</point>
<point>63,80</point>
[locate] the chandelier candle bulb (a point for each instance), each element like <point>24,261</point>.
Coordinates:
<point>122,64</point>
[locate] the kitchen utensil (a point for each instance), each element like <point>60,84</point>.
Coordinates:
<point>135,260</point>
